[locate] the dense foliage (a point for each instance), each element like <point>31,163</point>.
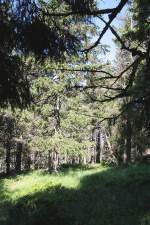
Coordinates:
<point>80,108</point>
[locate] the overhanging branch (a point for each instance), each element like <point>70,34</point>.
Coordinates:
<point>112,16</point>
<point>134,51</point>
<point>82,13</point>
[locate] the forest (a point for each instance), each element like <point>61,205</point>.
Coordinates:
<point>75,112</point>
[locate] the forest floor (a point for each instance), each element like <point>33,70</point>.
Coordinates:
<point>96,195</point>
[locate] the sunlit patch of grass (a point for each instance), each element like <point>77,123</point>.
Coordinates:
<point>95,195</point>
<point>36,181</point>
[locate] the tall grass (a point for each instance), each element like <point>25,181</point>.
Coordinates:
<point>96,195</point>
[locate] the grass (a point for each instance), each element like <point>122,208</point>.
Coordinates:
<point>79,196</point>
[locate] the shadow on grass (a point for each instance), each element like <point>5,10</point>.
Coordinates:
<point>3,203</point>
<point>112,197</point>
<point>67,168</point>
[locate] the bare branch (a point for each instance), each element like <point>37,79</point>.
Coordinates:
<point>82,13</point>
<point>36,74</point>
<point>96,86</point>
<point>112,16</point>
<point>138,59</point>
<point>134,51</point>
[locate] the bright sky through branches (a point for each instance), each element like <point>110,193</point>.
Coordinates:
<point>118,22</point>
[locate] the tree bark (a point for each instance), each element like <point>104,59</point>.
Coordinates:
<point>19,157</point>
<point>8,149</point>
<point>98,147</point>
<point>50,162</point>
<point>128,140</point>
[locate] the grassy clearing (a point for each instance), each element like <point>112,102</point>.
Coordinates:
<point>93,196</point>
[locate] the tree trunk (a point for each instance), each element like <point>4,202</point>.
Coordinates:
<point>18,156</point>
<point>27,163</point>
<point>27,159</point>
<point>98,147</point>
<point>50,167</point>
<point>8,148</point>
<point>52,161</point>
<point>128,140</point>
<point>55,162</point>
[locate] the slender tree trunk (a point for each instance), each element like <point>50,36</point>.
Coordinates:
<point>80,160</point>
<point>98,147</point>
<point>128,140</point>
<point>49,161</point>
<point>19,156</point>
<point>27,158</point>
<point>65,159</point>
<point>73,160</point>
<point>84,160</point>
<point>52,161</point>
<point>55,161</point>
<point>8,149</point>
<point>57,107</point>
<point>27,163</point>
